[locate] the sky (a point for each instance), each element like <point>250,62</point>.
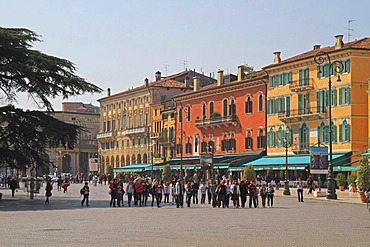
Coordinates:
<point>118,43</point>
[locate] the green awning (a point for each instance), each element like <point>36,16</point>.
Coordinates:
<point>345,168</point>
<point>132,168</point>
<point>292,160</point>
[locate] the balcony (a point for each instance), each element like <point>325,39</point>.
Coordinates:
<point>84,143</point>
<point>301,148</point>
<point>134,131</point>
<point>298,115</point>
<point>301,85</point>
<point>105,135</point>
<point>165,140</point>
<point>217,122</point>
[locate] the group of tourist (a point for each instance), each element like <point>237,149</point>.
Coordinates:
<point>219,194</point>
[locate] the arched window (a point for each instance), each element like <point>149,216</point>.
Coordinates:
<point>232,108</point>
<point>303,137</point>
<point>189,113</point>
<point>122,160</point>
<point>289,135</point>
<point>145,159</point>
<point>261,139</point>
<point>248,140</point>
<point>248,105</point>
<point>271,138</point>
<point>224,106</point>
<point>279,137</point>
<point>139,159</point>
<point>260,103</point>
<point>128,162</point>
<point>204,111</point>
<point>133,159</point>
<point>344,132</point>
<point>124,116</point>
<point>211,108</point>
<point>117,161</point>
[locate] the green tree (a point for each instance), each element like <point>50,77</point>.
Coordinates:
<point>25,135</point>
<point>109,170</point>
<point>249,173</point>
<point>363,174</point>
<point>166,173</point>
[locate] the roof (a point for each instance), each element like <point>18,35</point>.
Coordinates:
<point>363,43</point>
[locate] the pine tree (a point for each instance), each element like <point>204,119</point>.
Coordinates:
<point>166,173</point>
<point>249,173</point>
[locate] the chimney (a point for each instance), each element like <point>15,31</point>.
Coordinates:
<point>316,47</point>
<point>108,92</point>
<point>277,58</point>
<point>240,72</point>
<point>196,83</point>
<point>339,41</point>
<point>146,82</point>
<point>157,75</point>
<point>187,81</point>
<point>220,77</point>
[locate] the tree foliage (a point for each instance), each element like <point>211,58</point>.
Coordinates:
<point>166,173</point>
<point>109,170</point>
<point>25,135</point>
<point>249,173</point>
<point>363,174</point>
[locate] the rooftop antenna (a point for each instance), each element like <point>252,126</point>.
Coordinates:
<point>166,68</point>
<point>184,63</point>
<point>349,29</point>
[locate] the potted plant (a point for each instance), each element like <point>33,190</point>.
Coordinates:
<point>352,181</point>
<point>363,177</point>
<point>341,181</point>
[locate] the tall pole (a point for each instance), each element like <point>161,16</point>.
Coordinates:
<point>286,182</point>
<point>182,119</point>
<point>320,59</point>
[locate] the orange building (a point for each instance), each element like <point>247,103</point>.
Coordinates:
<point>226,119</point>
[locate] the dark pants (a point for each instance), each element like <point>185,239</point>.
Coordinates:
<point>86,198</point>
<point>180,200</point>
<point>203,199</point>
<point>221,199</point>
<point>243,197</point>
<point>138,198</point>
<point>300,195</point>
<point>263,199</point>
<point>188,199</point>
<point>166,198</point>
<point>113,199</point>
<point>214,200</point>
<point>195,196</point>
<point>159,199</point>
<point>270,200</point>
<point>252,198</point>
<point>227,200</point>
<point>119,199</point>
<point>129,196</point>
<point>13,190</point>
<point>209,197</point>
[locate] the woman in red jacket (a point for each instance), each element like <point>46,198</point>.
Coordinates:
<point>138,191</point>
<point>113,192</point>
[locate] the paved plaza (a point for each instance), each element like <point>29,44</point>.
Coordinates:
<point>65,223</point>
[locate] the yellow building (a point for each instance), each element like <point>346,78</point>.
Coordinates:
<point>298,100</point>
<point>131,122</point>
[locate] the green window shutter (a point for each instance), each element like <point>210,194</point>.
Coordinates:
<point>283,79</point>
<point>287,110</point>
<point>276,106</point>
<point>318,70</point>
<point>348,96</point>
<point>268,107</point>
<point>271,81</point>
<point>347,133</point>
<point>268,139</point>
<point>307,103</point>
<point>300,137</point>
<point>334,92</point>
<point>283,104</point>
<point>276,80</point>
<point>318,135</point>
<point>290,77</point>
<point>300,77</point>
<point>299,104</point>
<point>340,132</point>
<point>306,76</point>
<point>326,134</point>
<point>326,98</point>
<point>340,96</point>
<point>347,66</point>
<point>334,133</point>
<point>318,106</point>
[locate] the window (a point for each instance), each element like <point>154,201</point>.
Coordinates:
<point>189,113</point>
<point>224,110</point>
<point>123,144</point>
<point>303,138</point>
<point>224,144</point>
<point>113,124</point>
<point>260,103</point>
<point>128,143</point>
<point>347,66</point>
<point>203,146</point>
<point>279,137</point>
<point>303,77</point>
<point>344,132</point>
<point>232,108</point>
<point>109,125</point>
<point>303,104</point>
<point>133,142</point>
<point>249,140</point>
<point>232,144</point>
<point>344,95</point>
<point>139,141</point>
<point>261,139</point>
<point>146,118</point>
<point>211,108</point>
<point>290,77</point>
<point>204,111</point>
<point>211,146</point>
<point>248,105</point>
<point>321,101</point>
<point>178,148</point>
<point>180,115</point>
<point>320,133</point>
<point>188,148</point>
<point>334,97</point>
<point>141,120</point>
<point>196,144</point>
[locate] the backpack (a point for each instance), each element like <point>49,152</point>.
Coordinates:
<point>82,191</point>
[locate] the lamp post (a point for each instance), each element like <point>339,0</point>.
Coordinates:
<point>286,180</point>
<point>334,67</point>
<point>180,118</point>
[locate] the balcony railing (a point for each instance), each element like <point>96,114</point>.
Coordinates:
<point>105,135</point>
<point>231,119</point>
<point>87,143</point>
<point>301,85</point>
<point>139,130</point>
<point>303,113</point>
<point>301,148</point>
<point>165,140</point>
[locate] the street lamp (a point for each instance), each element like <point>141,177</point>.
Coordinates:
<point>181,119</point>
<point>286,144</point>
<point>334,67</point>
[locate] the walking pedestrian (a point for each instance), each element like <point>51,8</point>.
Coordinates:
<point>13,185</point>
<point>85,192</point>
<point>113,192</point>
<point>189,193</point>
<point>129,190</point>
<point>270,195</point>
<point>209,192</point>
<point>203,192</point>
<point>263,193</point>
<point>310,184</point>
<point>243,193</point>
<point>235,192</point>
<point>179,191</point>
<point>300,189</point>
<point>120,193</point>
<point>252,194</point>
<point>195,189</point>
<point>48,190</point>
<point>166,192</point>
<point>214,191</point>
<point>221,194</point>
<point>138,191</point>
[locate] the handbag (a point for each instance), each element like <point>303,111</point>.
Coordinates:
<point>110,192</point>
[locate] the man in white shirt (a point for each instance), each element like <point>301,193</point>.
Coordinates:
<point>300,189</point>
